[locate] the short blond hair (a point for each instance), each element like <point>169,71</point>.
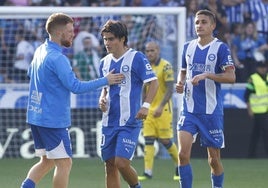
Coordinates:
<point>57,20</point>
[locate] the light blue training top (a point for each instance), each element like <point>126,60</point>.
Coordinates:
<point>51,83</point>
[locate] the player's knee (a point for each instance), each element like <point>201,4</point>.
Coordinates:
<point>184,157</point>
<point>214,162</point>
<point>45,162</point>
<point>65,164</point>
<point>110,163</point>
<point>122,163</point>
<point>167,143</point>
<point>110,166</point>
<point>149,140</point>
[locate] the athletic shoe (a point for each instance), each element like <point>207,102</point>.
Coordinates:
<point>176,178</point>
<point>145,176</point>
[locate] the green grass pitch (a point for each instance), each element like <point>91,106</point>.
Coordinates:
<point>89,173</point>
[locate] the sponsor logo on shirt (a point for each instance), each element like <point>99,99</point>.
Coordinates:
<point>35,102</point>
<point>35,109</point>
<point>198,67</point>
<point>36,97</point>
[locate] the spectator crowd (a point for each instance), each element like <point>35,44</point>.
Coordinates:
<point>242,24</point>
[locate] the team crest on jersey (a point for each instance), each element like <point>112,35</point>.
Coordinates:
<point>125,68</point>
<point>167,67</point>
<point>211,57</point>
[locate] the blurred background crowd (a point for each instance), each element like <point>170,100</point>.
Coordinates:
<point>242,24</point>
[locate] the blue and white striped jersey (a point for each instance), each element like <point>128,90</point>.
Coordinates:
<point>124,100</point>
<point>205,98</point>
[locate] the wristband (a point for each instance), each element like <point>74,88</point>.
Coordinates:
<point>146,105</point>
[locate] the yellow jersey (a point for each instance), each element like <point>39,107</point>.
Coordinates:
<point>160,127</point>
<point>164,73</point>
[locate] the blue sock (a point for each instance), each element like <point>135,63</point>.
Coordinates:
<point>186,176</point>
<point>217,181</point>
<point>136,186</point>
<point>28,183</point>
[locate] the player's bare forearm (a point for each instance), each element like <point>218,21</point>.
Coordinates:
<point>181,81</point>
<point>168,94</point>
<point>151,92</point>
<point>228,76</point>
<point>103,100</point>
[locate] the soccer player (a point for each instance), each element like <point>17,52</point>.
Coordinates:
<point>48,110</point>
<point>121,105</point>
<point>158,124</point>
<point>206,63</point>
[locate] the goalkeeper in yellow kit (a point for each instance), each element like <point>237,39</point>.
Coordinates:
<point>158,123</point>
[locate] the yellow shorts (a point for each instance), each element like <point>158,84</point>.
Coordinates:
<point>160,127</point>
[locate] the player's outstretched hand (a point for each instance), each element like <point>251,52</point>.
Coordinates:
<point>114,78</point>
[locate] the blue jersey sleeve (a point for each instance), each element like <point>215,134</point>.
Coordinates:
<point>70,81</point>
<point>143,68</point>
<point>224,56</point>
